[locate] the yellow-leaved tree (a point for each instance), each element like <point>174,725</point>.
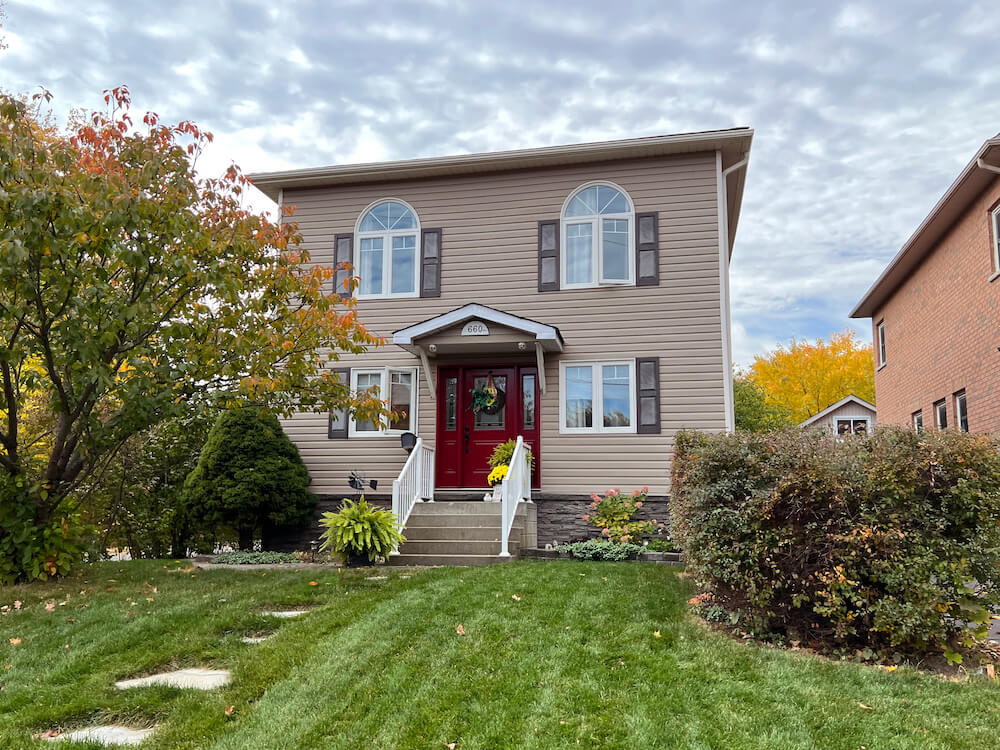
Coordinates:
<point>806,377</point>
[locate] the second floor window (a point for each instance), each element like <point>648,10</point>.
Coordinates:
<point>598,241</point>
<point>880,343</point>
<point>996,238</point>
<point>387,261</point>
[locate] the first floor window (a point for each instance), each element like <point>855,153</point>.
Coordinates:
<point>941,414</point>
<point>961,412</point>
<point>852,426</point>
<point>598,397</point>
<point>918,421</point>
<point>397,387</point>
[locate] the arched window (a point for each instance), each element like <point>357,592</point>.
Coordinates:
<point>598,225</point>
<point>387,251</point>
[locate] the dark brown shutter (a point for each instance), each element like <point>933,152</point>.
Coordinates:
<point>343,248</point>
<point>647,250</point>
<point>340,419</point>
<point>648,390</point>
<point>430,263</point>
<point>548,256</point>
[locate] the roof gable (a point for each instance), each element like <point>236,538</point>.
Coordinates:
<point>833,407</point>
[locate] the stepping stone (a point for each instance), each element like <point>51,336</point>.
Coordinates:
<point>255,639</point>
<point>287,614</point>
<point>198,679</point>
<point>376,578</point>
<point>107,735</point>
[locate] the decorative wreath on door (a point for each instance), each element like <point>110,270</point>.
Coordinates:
<point>489,399</point>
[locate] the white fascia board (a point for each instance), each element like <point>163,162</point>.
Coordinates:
<point>541,331</point>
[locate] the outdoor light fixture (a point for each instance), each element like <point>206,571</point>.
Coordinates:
<point>408,441</point>
<point>521,346</point>
<point>312,548</point>
<point>432,348</point>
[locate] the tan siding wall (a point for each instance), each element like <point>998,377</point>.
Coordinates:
<point>490,256</point>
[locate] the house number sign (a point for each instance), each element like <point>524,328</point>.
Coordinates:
<point>475,328</point>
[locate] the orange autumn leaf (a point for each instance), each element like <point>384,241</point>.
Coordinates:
<point>460,630</point>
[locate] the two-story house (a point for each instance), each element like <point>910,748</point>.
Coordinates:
<point>935,311</point>
<point>574,296</point>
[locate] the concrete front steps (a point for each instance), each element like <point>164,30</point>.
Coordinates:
<point>462,532</point>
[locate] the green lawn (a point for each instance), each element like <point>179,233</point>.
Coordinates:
<point>378,664</point>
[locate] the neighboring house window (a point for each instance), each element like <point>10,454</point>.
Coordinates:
<point>852,426</point>
<point>398,387</point>
<point>598,225</point>
<point>996,239</point>
<point>961,412</point>
<point>597,396</point>
<point>941,414</point>
<point>918,421</point>
<point>881,343</point>
<point>387,262</point>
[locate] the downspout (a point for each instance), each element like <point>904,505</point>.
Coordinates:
<point>724,307</point>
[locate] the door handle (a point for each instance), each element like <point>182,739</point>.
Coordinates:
<point>467,439</point>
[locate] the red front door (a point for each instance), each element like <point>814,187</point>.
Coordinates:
<point>466,438</point>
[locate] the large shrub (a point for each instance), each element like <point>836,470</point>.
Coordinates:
<point>136,501</point>
<point>889,542</point>
<point>249,479</point>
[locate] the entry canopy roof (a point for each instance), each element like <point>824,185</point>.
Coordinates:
<point>478,328</point>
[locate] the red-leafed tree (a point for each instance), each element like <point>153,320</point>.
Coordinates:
<point>131,287</point>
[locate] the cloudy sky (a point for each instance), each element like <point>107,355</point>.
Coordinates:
<point>864,112</point>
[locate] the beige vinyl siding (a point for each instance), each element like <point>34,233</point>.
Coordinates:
<point>490,256</point>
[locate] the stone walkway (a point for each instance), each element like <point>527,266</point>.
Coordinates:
<point>193,678</point>
<point>106,735</point>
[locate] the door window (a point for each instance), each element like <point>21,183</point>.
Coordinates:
<point>484,421</point>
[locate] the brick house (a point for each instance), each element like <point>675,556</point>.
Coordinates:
<point>935,311</point>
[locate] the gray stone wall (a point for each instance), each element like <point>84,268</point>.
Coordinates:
<point>561,519</point>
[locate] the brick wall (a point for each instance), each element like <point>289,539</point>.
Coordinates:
<point>942,329</point>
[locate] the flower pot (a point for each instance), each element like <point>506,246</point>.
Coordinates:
<point>354,560</point>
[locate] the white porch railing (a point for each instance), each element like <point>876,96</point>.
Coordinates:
<point>414,484</point>
<point>514,489</point>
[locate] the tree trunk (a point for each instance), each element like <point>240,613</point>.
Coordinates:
<point>246,538</point>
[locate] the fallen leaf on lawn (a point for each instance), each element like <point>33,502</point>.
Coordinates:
<point>313,583</point>
<point>149,598</point>
<point>866,708</point>
<point>450,745</point>
<point>656,634</point>
<point>49,733</point>
<point>50,607</point>
<point>15,641</point>
<point>891,668</point>
<point>229,710</point>
<point>460,630</point>
<point>515,597</point>
<point>71,620</point>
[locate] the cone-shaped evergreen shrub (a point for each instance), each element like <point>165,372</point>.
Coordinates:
<point>249,479</point>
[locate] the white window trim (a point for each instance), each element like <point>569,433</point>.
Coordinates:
<point>919,413</point>
<point>387,252</point>
<point>597,382</point>
<point>995,231</point>
<point>852,420</point>
<point>880,343</point>
<point>384,372</point>
<point>937,414</point>
<point>597,233</point>
<point>958,418</point>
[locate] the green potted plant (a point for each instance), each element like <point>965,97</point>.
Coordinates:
<point>361,533</point>
<point>503,452</point>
